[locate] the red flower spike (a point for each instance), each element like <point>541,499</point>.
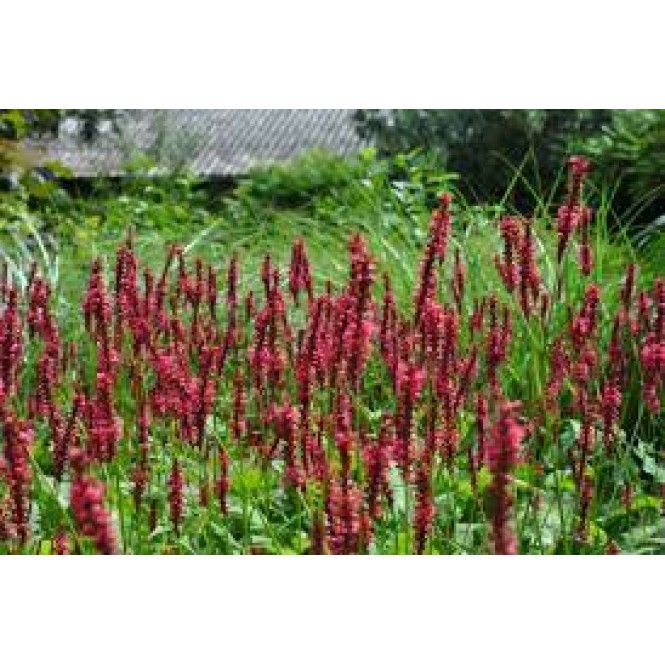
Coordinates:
<point>502,455</point>
<point>176,487</point>
<point>92,519</point>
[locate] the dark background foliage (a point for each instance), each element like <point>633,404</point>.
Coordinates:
<point>484,146</point>
<point>489,147</point>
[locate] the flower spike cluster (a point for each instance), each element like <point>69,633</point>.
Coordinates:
<point>348,416</point>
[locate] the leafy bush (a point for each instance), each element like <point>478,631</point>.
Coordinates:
<point>484,146</point>
<point>296,183</point>
<point>144,199</point>
<point>325,184</point>
<point>629,155</point>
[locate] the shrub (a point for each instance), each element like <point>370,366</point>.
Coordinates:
<point>297,182</point>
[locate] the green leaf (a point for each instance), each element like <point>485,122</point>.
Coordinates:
<point>649,464</point>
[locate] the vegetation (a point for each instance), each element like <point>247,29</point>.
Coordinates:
<point>323,365</point>
<point>492,147</point>
<point>629,156</point>
<point>485,146</point>
<point>16,124</point>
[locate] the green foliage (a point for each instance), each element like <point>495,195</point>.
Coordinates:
<point>145,200</point>
<point>299,182</point>
<point>629,155</point>
<point>24,240</point>
<point>151,200</point>
<point>16,124</point>
<point>484,146</point>
<point>327,186</point>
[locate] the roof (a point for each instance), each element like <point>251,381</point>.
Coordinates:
<point>211,142</point>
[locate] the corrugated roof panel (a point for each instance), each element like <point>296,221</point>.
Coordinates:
<point>209,141</point>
